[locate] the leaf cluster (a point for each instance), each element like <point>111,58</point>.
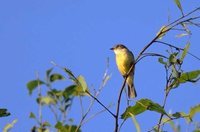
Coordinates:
<point>58,101</point>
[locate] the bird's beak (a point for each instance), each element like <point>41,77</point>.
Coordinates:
<point>111,48</point>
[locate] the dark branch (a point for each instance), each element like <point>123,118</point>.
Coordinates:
<point>101,104</point>
<point>175,47</point>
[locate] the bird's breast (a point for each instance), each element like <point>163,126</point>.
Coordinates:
<point>124,62</point>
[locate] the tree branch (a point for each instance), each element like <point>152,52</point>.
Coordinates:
<point>175,47</point>
<point>119,98</point>
<point>101,104</point>
<point>118,105</point>
<point>168,28</point>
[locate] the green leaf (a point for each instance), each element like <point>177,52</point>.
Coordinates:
<point>185,77</point>
<point>173,58</point>
<point>178,4</point>
<point>70,90</point>
<point>9,126</point>
<point>46,124</point>
<point>81,86</point>
<point>55,77</point>
<point>182,115</point>
<point>4,112</point>
<point>185,51</point>
<point>175,72</point>
<point>176,128</point>
<point>31,85</point>
<point>186,29</point>
<point>162,32</point>
<point>59,126</point>
<point>105,79</point>
<point>48,72</point>
<point>197,130</point>
<point>42,130</point>
<point>66,128</point>
<point>194,110</point>
<point>141,106</point>
<point>182,35</point>
<point>69,72</point>
<point>189,76</point>
<point>82,83</point>
<point>46,100</point>
<point>162,61</point>
<point>55,93</point>
<point>32,115</point>
<point>71,75</point>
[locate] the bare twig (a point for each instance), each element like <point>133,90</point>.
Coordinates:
<point>94,97</point>
<point>81,104</point>
<point>94,115</point>
<point>163,106</point>
<point>100,103</point>
<point>150,54</point>
<point>121,124</point>
<point>147,46</point>
<point>164,122</point>
<point>173,46</point>
<point>54,112</point>
<point>184,16</point>
<point>168,28</point>
<point>39,103</point>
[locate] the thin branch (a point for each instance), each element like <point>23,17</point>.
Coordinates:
<point>121,124</point>
<point>150,54</point>
<point>39,103</point>
<point>118,105</point>
<point>81,104</point>
<point>170,119</point>
<point>168,28</point>
<point>96,94</point>
<point>54,112</point>
<point>184,16</point>
<point>94,115</point>
<point>193,23</point>
<point>84,116</point>
<point>161,116</point>
<point>101,104</point>
<point>147,46</point>
<point>177,29</point>
<point>119,98</point>
<point>170,45</point>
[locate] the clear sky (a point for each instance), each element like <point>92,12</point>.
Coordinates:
<point>78,34</point>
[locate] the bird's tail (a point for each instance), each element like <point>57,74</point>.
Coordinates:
<point>131,88</point>
<point>132,92</point>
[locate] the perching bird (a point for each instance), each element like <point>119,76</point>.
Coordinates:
<point>125,60</point>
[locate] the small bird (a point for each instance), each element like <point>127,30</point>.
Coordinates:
<point>125,60</point>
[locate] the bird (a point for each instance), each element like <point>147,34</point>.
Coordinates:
<point>125,61</point>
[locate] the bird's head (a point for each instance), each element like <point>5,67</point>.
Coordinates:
<point>119,48</point>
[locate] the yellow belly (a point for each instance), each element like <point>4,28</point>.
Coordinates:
<point>124,62</point>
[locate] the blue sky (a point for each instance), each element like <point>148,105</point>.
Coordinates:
<point>78,34</point>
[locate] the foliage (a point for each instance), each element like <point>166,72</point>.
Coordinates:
<point>9,126</point>
<point>58,101</point>
<point>4,112</point>
<point>141,106</point>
